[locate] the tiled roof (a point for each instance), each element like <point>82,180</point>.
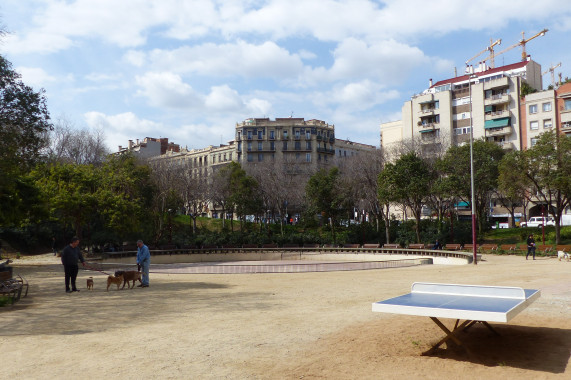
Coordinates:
<point>463,78</point>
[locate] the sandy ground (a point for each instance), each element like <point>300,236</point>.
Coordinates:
<point>279,326</point>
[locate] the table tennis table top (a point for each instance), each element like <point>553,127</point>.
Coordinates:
<point>470,302</point>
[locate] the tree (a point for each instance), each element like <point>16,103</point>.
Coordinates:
<point>547,167</point>
<point>24,121</point>
<point>409,180</point>
<point>512,185</point>
<point>79,146</point>
<point>244,192</point>
<point>325,195</point>
<point>456,167</point>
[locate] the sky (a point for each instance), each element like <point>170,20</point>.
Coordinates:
<point>190,70</point>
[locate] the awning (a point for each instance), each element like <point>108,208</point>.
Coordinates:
<point>426,102</point>
<point>462,204</point>
<point>488,108</point>
<point>427,130</point>
<point>498,123</point>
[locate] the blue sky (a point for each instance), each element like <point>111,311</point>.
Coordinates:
<point>190,70</point>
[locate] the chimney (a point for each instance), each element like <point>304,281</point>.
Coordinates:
<point>120,148</point>
<point>130,144</point>
<point>137,141</point>
<point>430,82</point>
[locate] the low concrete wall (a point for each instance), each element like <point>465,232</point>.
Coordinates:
<point>287,255</point>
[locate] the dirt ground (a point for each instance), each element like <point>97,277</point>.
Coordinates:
<point>279,326</point>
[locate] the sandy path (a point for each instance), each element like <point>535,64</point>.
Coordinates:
<point>279,326</point>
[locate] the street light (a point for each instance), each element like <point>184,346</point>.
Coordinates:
<point>474,246</point>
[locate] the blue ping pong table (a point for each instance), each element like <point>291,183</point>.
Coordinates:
<point>472,303</point>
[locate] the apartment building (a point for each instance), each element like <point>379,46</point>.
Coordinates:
<point>308,145</point>
<point>563,108</point>
<point>149,147</point>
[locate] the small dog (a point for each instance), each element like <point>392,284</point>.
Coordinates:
<point>128,276</point>
<point>90,283</point>
<point>118,280</point>
<point>562,255</point>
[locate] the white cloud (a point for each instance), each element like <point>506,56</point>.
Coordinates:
<point>135,58</point>
<point>35,76</point>
<point>241,58</point>
<point>166,89</point>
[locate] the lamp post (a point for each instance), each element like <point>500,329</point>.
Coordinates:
<point>474,246</point>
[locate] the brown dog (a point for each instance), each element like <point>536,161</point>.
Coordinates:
<point>114,280</point>
<point>128,276</point>
<point>90,283</point>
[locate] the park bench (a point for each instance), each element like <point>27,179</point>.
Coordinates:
<point>544,249</point>
<point>452,247</point>
<point>269,245</point>
<point>416,246</point>
<point>230,248</point>
<point>372,245</point>
<point>508,247</point>
<point>391,245</point>
<point>249,246</point>
<point>488,247</point>
<point>311,246</point>
<point>563,248</point>
<point>351,245</point>
<point>470,247</point>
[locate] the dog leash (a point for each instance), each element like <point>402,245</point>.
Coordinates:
<point>97,270</point>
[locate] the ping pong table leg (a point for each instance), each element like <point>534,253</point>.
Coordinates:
<point>449,334</point>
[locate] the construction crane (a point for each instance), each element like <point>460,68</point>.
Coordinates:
<point>552,70</point>
<point>490,49</point>
<point>521,43</point>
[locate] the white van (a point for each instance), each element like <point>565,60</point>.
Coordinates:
<point>538,221</point>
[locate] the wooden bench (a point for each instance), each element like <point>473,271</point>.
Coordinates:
<point>470,247</point>
<point>391,245</point>
<point>371,245</point>
<point>351,246</point>
<point>452,247</point>
<point>508,247</point>
<point>311,246</point>
<point>544,249</point>
<point>416,246</point>
<point>269,245</point>
<point>290,246</point>
<point>249,246</point>
<point>488,247</point>
<point>563,248</point>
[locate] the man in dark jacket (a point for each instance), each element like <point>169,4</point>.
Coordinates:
<point>69,258</point>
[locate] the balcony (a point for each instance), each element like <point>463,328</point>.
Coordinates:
<point>499,131</point>
<point>496,114</point>
<point>506,145</point>
<point>497,99</point>
<point>326,150</point>
<point>496,84</point>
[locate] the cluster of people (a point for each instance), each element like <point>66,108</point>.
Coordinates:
<point>71,257</point>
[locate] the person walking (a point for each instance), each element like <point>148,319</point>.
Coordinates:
<point>530,246</point>
<point>69,258</point>
<point>144,261</point>
<point>54,246</point>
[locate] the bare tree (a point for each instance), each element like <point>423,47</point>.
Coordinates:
<point>282,183</point>
<point>192,189</point>
<point>164,176</point>
<point>73,145</point>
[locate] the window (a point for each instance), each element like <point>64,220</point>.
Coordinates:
<point>260,133</point>
<point>272,135</point>
<point>308,145</point>
<point>224,156</point>
<point>272,146</point>
<point>547,124</point>
<point>534,125</point>
<point>249,135</point>
<point>568,104</point>
<point>297,156</point>
<point>250,157</point>
<point>307,135</point>
<point>308,157</point>
<point>230,156</point>
<point>297,145</point>
<point>239,135</point>
<point>249,148</point>
<point>533,108</point>
<point>285,145</point>
<point>533,141</point>
<point>260,145</point>
<point>260,157</point>
<point>546,107</point>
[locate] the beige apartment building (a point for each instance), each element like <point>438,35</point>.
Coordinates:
<point>485,99</point>
<point>308,145</point>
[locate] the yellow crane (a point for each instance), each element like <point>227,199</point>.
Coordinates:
<point>521,43</point>
<point>489,48</point>
<point>552,70</point>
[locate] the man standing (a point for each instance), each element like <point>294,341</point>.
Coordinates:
<point>144,260</point>
<point>530,246</point>
<point>69,258</point>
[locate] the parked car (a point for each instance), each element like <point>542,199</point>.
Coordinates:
<point>538,221</point>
